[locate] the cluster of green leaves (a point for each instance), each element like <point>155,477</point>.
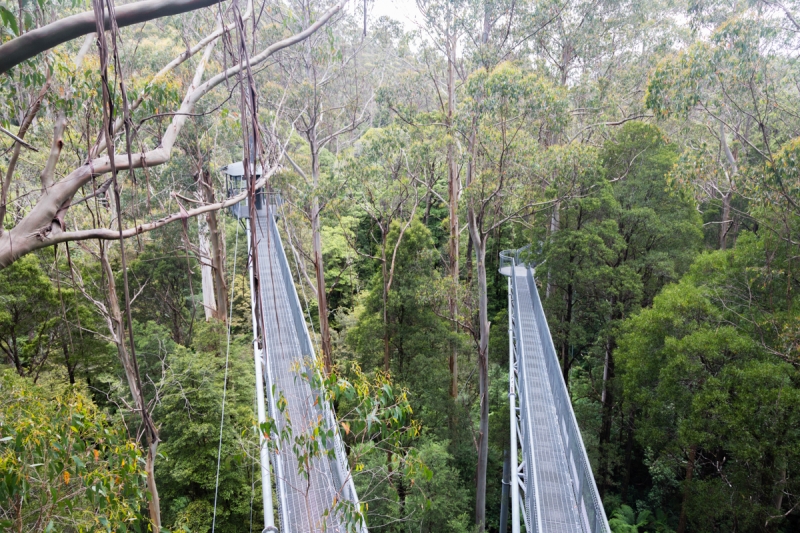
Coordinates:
<point>189,411</point>
<point>625,520</point>
<point>701,366</point>
<point>66,466</point>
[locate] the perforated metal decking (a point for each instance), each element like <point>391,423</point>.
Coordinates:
<point>559,509</point>
<point>553,489</point>
<point>305,504</point>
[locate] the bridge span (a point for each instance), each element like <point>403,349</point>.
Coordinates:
<point>551,480</point>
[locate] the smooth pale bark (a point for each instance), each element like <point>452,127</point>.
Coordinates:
<point>169,67</point>
<point>12,163</point>
<point>725,224</point>
<point>39,229</point>
<point>384,273</point>
<point>555,223</point>
<point>453,187</point>
<point>217,249</point>
<point>483,374</point>
<point>322,293</point>
<point>61,31</point>
<point>209,301</point>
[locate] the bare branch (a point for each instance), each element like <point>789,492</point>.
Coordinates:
<point>19,140</point>
<point>39,40</point>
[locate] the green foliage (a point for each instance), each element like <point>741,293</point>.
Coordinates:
<point>65,465</point>
<point>28,314</point>
<point>705,374</point>
<point>189,411</point>
<point>626,520</point>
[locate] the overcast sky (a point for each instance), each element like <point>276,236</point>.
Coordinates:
<point>404,11</point>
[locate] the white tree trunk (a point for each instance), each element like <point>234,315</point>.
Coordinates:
<point>209,302</point>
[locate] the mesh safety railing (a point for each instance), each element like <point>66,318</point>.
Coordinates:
<point>340,467</point>
<point>584,487</point>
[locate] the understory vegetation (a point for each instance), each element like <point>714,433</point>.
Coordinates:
<point>646,153</point>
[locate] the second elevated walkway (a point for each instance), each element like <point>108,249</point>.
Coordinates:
<point>553,488</point>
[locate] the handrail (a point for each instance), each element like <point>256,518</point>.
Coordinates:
<point>584,485</point>
<point>267,377</point>
<point>528,446</point>
<point>342,467</point>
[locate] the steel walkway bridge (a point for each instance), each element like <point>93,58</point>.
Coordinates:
<point>551,481</point>
<point>305,504</point>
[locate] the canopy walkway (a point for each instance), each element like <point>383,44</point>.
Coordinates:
<point>305,504</point>
<point>552,486</point>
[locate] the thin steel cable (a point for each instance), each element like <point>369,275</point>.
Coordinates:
<point>225,382</point>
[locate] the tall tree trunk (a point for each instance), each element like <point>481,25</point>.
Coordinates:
<point>319,267</point>
<point>483,374</point>
<point>725,225</point>
<point>555,221</point>
<point>778,498</point>
<point>131,369</point>
<point>726,197</point>
<point>687,488</point>
<point>606,401</point>
<point>504,494</point>
<point>385,274</point>
<point>453,187</point>
<point>322,294</point>
<point>207,277</point>
<point>217,249</point>
<point>565,356</point>
<point>626,481</point>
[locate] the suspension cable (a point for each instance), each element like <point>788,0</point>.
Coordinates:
<point>225,382</point>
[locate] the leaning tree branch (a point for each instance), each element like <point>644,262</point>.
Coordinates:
<point>42,39</point>
<point>188,53</point>
<point>109,234</point>
<point>55,151</point>
<point>40,228</point>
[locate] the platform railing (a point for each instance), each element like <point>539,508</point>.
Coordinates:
<point>533,504</point>
<point>340,466</point>
<point>584,486</point>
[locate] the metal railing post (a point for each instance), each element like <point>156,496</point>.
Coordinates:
<point>266,481</point>
<point>512,400</point>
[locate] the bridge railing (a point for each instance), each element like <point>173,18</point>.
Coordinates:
<point>509,259</point>
<point>341,468</point>
<point>586,493</point>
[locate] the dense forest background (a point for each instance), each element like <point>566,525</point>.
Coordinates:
<point>649,152</point>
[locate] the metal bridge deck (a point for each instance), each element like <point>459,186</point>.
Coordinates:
<point>306,500</point>
<point>559,512</point>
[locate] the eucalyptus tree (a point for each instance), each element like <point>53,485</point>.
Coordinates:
<point>331,97</point>
<point>444,25</point>
<point>738,85</point>
<point>387,175</point>
<point>510,111</point>
<point>55,205</point>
